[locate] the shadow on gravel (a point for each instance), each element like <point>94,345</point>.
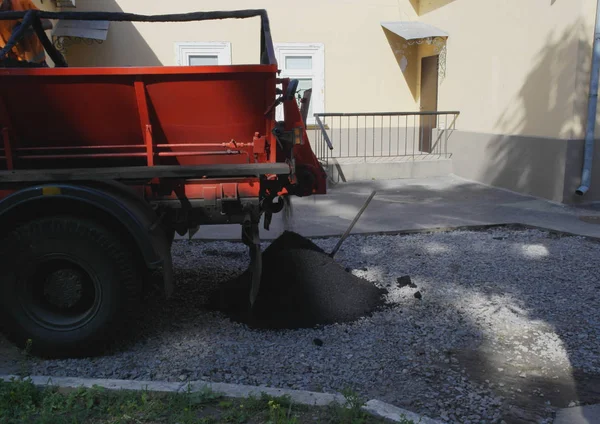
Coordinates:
<point>560,291</point>
<point>536,331</point>
<point>549,319</point>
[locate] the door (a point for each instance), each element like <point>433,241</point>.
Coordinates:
<point>429,101</point>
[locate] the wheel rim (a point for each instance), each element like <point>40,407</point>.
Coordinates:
<point>60,293</point>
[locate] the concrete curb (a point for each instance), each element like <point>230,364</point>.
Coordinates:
<point>374,407</point>
<point>393,413</point>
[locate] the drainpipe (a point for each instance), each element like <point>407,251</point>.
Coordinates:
<point>586,174</point>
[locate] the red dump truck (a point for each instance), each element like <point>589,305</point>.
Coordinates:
<point>100,167</point>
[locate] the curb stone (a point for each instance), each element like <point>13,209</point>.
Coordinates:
<point>374,407</point>
<point>393,413</point>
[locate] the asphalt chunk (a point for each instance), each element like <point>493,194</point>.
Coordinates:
<point>290,240</point>
<point>405,281</point>
<point>301,287</point>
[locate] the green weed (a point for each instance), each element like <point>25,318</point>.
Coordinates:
<point>22,402</point>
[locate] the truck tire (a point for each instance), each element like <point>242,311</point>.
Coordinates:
<point>69,285</point>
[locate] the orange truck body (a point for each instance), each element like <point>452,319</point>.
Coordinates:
<point>145,152</point>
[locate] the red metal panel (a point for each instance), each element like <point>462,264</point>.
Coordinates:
<point>260,144</point>
<point>230,191</point>
<point>96,108</point>
<point>85,155</point>
<point>71,111</point>
<point>6,125</point>
<point>303,152</point>
<point>167,115</point>
<point>8,155</point>
<point>146,128</point>
<point>271,93</point>
<point>53,148</point>
<point>209,193</point>
<point>209,109</point>
<point>139,70</point>
<point>244,188</point>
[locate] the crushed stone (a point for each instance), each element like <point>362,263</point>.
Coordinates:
<point>496,304</point>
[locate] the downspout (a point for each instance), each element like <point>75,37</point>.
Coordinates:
<point>586,174</point>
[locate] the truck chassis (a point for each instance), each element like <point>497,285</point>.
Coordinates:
<point>89,207</point>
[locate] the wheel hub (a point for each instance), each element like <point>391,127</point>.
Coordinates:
<point>60,294</point>
<point>63,288</point>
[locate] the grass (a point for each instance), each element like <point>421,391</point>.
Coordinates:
<point>22,402</point>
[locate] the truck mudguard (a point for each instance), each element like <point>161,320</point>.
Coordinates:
<point>126,210</point>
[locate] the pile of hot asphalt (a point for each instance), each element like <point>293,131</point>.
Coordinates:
<point>301,287</point>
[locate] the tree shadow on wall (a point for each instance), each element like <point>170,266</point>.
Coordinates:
<point>543,106</point>
<point>124,46</point>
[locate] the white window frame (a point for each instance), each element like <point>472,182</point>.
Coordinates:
<point>317,52</point>
<point>183,51</point>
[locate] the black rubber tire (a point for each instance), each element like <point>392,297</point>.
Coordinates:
<point>108,271</point>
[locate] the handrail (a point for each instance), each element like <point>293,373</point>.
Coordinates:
<point>451,112</point>
<point>379,135</point>
<point>324,132</point>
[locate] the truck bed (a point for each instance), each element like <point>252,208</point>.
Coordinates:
<point>138,116</point>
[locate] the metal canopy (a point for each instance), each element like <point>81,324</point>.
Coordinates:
<point>96,30</point>
<point>413,30</point>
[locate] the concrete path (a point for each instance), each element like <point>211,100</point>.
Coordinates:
<point>579,415</point>
<point>411,204</point>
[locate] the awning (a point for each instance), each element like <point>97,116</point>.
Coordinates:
<point>96,30</point>
<point>413,30</point>
<point>416,34</point>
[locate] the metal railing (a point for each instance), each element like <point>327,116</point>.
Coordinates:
<point>383,135</point>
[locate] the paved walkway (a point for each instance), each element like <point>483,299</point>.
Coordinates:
<point>579,415</point>
<point>411,204</point>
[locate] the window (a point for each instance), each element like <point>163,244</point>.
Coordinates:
<point>203,54</point>
<point>198,60</point>
<point>306,63</point>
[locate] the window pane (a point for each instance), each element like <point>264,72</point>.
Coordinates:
<point>305,84</point>
<point>197,60</point>
<point>298,62</point>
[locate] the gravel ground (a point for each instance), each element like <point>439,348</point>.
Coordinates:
<point>507,328</point>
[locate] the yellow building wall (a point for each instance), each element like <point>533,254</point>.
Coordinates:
<point>583,68</point>
<point>361,72</point>
<point>511,64</point>
<point>45,5</point>
<point>512,67</point>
